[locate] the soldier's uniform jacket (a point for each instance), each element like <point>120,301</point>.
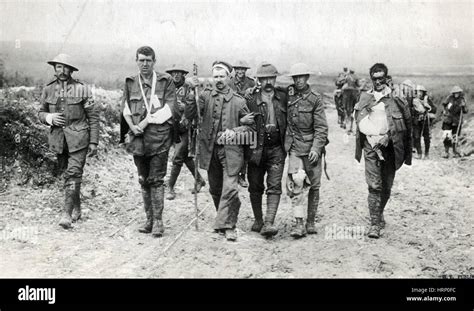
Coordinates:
<point>241,86</point>
<point>219,112</point>
<point>82,117</point>
<point>416,116</point>
<point>156,138</point>
<point>255,104</point>
<point>399,124</point>
<point>453,113</point>
<point>184,93</point>
<point>307,128</point>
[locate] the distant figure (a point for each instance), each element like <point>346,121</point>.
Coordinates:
<point>340,81</point>
<point>454,108</point>
<point>69,109</point>
<point>423,116</point>
<point>383,134</point>
<point>240,83</point>
<point>184,92</point>
<point>350,94</point>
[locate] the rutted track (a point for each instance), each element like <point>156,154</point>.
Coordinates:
<point>428,233</point>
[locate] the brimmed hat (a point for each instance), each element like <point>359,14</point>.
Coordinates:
<point>64,59</point>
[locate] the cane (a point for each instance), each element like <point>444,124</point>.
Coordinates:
<point>458,130</point>
<point>196,158</point>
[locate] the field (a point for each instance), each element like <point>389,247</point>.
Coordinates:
<point>429,217</point>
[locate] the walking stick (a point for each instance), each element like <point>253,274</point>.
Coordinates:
<point>196,158</point>
<point>458,131</point>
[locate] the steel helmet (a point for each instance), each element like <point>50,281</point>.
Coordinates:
<point>408,83</point>
<point>265,70</point>
<point>420,88</point>
<point>176,67</point>
<point>64,59</point>
<point>241,64</point>
<point>299,69</point>
<point>456,89</point>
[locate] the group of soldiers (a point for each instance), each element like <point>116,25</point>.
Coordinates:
<point>423,111</point>
<point>161,109</point>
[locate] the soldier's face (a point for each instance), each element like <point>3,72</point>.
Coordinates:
<point>145,64</point>
<point>63,72</point>
<point>268,83</point>
<point>457,94</point>
<point>240,72</point>
<point>178,76</point>
<point>221,78</point>
<point>300,81</point>
<point>379,80</point>
<point>420,94</point>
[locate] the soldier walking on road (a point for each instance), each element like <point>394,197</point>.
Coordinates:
<point>423,116</point>
<point>240,83</point>
<point>67,106</point>
<point>350,94</point>
<point>149,115</point>
<point>383,132</point>
<point>184,92</point>
<point>268,105</point>
<point>219,154</point>
<point>340,81</point>
<point>305,140</point>
<point>453,108</point>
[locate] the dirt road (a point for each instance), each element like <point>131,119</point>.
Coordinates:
<point>428,233</point>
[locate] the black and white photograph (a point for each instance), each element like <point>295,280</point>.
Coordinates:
<point>237,139</point>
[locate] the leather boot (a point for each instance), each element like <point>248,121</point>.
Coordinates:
<point>76,212</point>
<point>175,170</point>
<point>299,230</point>
<point>157,204</point>
<point>66,219</point>
<point>455,153</point>
<point>269,230</point>
<point>256,202</point>
<point>146,194</point>
<point>446,152</point>
<point>192,168</point>
<point>427,149</point>
<point>313,202</point>
<point>374,201</point>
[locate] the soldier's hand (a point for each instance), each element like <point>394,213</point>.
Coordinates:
<point>137,130</point>
<point>58,119</point>
<point>313,157</point>
<point>248,119</point>
<point>194,81</point>
<point>92,150</point>
<point>384,141</point>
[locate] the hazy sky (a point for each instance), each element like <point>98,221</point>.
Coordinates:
<point>321,33</point>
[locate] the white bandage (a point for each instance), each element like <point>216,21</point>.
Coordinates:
<point>49,118</point>
<point>219,66</point>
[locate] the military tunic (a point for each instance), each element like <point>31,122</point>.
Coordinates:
<point>81,128</point>
<point>150,150</point>
<point>221,110</point>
